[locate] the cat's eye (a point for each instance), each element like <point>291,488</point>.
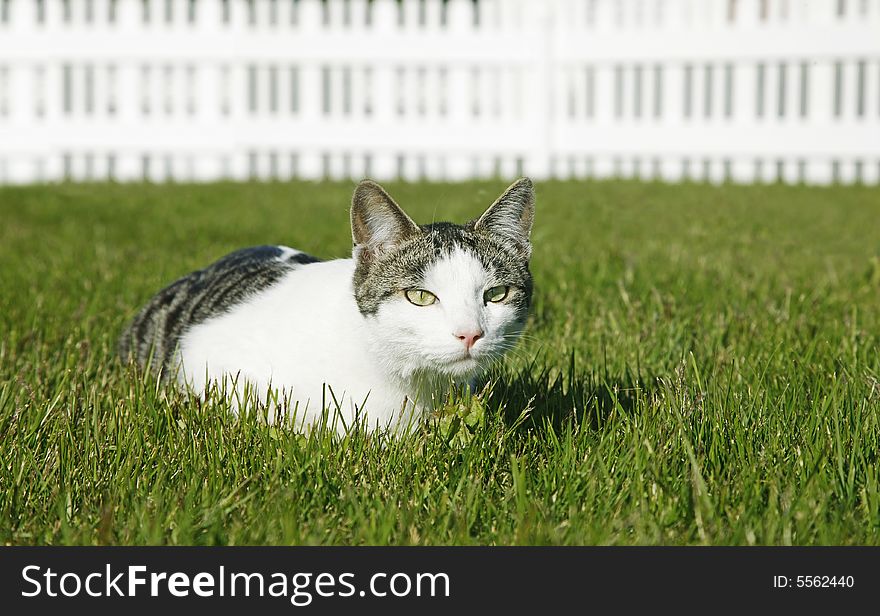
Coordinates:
<point>420,297</point>
<point>497,294</point>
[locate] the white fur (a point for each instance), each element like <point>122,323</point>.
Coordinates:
<point>304,337</point>
<point>286,253</point>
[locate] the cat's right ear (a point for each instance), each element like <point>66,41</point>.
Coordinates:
<point>377,222</point>
<point>511,216</point>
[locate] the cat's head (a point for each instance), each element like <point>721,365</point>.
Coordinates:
<point>442,298</point>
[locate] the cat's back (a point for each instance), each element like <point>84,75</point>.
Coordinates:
<point>218,289</point>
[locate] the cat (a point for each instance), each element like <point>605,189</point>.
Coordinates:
<point>377,340</point>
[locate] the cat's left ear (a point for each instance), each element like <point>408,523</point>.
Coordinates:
<point>511,215</point>
<point>377,222</point>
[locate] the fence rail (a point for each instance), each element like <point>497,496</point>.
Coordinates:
<point>197,90</point>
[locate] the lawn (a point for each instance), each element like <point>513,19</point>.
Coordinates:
<point>702,366</point>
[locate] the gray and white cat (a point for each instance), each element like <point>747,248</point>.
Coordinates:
<point>376,339</point>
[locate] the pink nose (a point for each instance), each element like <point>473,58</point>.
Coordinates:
<point>469,337</point>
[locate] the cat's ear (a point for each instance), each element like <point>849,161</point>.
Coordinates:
<point>377,222</point>
<point>511,215</point>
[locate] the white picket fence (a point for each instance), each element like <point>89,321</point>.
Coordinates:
<point>198,90</point>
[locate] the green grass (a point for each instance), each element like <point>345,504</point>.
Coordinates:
<point>702,366</point>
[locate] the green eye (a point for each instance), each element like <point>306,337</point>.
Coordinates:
<point>497,294</point>
<point>420,297</point>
